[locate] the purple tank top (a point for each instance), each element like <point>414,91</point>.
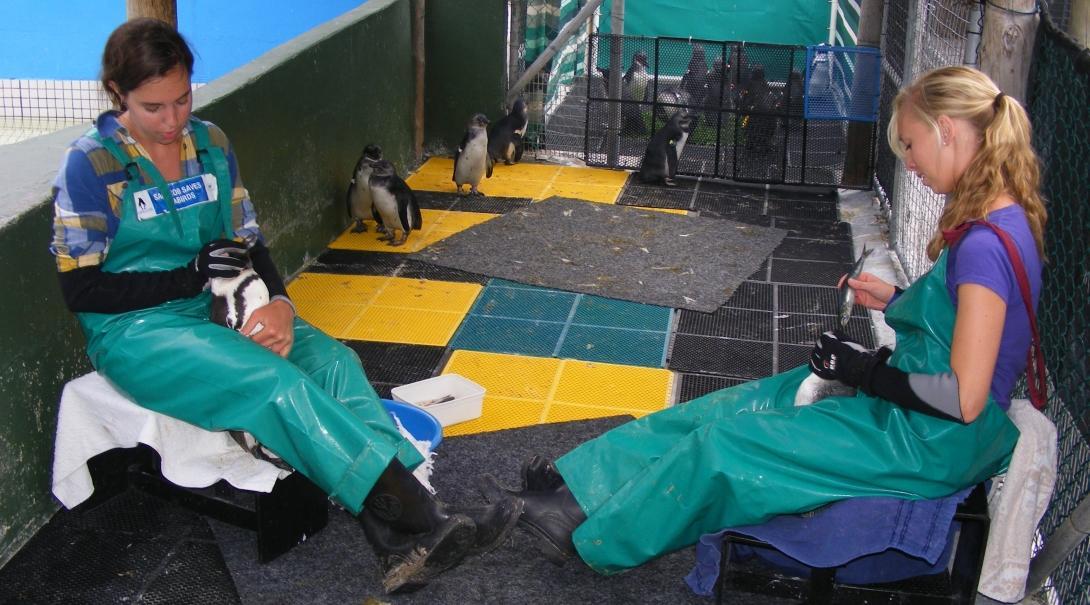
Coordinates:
<point>980,258</point>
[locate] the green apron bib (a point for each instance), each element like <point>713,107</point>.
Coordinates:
<point>742,455</point>
<point>315,409</point>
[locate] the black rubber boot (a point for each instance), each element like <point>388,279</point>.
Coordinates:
<point>413,534</point>
<point>551,515</point>
<point>539,473</point>
<point>494,522</point>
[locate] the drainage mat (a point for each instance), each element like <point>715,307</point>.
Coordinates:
<point>619,252</point>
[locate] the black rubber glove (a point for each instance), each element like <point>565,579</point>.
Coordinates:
<point>836,357</point>
<point>221,258</point>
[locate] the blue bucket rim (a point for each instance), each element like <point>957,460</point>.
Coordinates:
<point>392,407</point>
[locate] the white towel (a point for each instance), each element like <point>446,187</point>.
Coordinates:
<point>1016,504</point>
<point>95,417</point>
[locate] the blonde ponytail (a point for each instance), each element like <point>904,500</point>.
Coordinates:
<point>1005,162</point>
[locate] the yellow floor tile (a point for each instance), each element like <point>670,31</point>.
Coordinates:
<point>592,176</point>
<point>436,225</point>
<point>329,287</point>
<point>383,309</point>
<point>606,194</point>
<point>403,325</point>
<point>498,413</point>
<point>332,318</point>
<point>450,297</point>
<point>560,412</point>
<point>614,385</point>
<point>506,376</point>
<point>559,390</point>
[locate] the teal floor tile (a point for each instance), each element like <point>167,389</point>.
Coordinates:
<point>503,335</point>
<point>614,345</point>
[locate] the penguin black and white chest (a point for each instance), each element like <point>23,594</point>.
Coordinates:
<point>472,162</point>
<point>395,203</point>
<point>505,136</point>
<point>360,205</point>
<point>234,299</point>
<point>663,150</point>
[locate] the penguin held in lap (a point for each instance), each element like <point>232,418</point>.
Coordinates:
<point>395,203</point>
<point>360,205</point>
<point>660,160</point>
<point>505,136</point>
<point>472,162</point>
<point>234,299</point>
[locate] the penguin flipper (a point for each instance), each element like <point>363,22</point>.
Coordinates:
<point>348,197</point>
<point>518,147</point>
<point>488,165</point>
<point>671,159</point>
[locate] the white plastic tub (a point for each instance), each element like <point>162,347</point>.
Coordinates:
<point>463,397</point>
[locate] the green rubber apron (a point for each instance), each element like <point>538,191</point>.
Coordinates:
<point>742,455</point>
<point>315,409</point>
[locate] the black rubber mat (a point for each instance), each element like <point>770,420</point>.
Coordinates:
<point>813,249</point>
<point>824,300</point>
<point>792,356</point>
<point>752,295</point>
<point>722,356</point>
<point>790,208</point>
<point>355,262</point>
<point>656,197</point>
<point>727,322</point>
<point>391,365</point>
<point>698,385</point>
<point>133,548</point>
<point>804,328</point>
<point>788,271</point>
<point>441,200</point>
<point>817,229</point>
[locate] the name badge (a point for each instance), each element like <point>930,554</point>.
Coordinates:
<point>192,191</point>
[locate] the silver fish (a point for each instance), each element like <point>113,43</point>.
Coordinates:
<point>847,294</point>
<point>813,387</point>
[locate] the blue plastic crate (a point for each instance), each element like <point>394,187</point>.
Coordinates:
<point>842,83</point>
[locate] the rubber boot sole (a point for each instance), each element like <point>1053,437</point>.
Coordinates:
<point>424,563</point>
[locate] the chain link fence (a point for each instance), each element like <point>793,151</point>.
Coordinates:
<point>1059,105</point>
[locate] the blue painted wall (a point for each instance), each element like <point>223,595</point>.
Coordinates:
<point>63,39</point>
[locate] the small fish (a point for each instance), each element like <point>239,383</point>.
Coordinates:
<point>847,294</point>
<point>437,400</point>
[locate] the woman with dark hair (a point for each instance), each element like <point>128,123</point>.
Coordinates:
<point>929,418</point>
<point>149,206</point>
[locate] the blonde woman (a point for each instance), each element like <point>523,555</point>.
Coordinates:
<point>929,419</point>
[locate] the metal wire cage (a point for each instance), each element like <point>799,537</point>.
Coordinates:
<point>745,103</point>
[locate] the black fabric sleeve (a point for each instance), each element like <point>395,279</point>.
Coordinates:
<point>932,394</point>
<point>266,269</point>
<point>92,290</point>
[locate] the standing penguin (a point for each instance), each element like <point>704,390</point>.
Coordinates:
<point>634,87</point>
<point>505,136</point>
<point>358,200</point>
<point>395,203</point>
<point>695,81</point>
<point>472,162</point>
<point>660,160</point>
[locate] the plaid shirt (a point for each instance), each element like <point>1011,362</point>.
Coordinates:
<point>90,187</point>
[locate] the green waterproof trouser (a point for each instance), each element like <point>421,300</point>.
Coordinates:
<point>315,409</point>
<point>744,454</point>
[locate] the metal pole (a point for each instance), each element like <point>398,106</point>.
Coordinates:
<point>1059,545</point>
<point>163,10</point>
<point>418,72</point>
<point>616,66</point>
<point>554,47</point>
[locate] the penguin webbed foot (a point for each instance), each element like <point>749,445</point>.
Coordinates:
<point>359,227</point>
<point>669,182</point>
<point>399,241</point>
<point>476,193</point>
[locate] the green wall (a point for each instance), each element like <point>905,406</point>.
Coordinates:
<point>465,64</point>
<point>298,118</point>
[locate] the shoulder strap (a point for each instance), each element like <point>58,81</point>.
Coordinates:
<point>1035,364</point>
<point>133,165</point>
<point>212,158</point>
